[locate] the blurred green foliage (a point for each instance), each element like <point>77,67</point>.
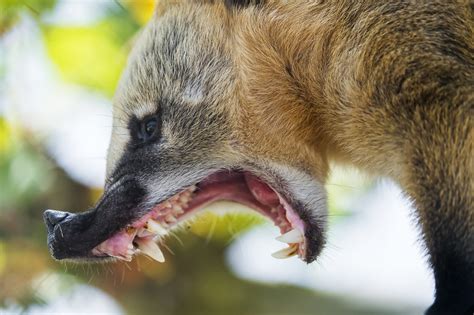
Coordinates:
<point>93,55</point>
<point>24,174</point>
<point>10,10</point>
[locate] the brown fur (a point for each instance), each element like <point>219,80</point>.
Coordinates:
<point>280,89</point>
<point>386,86</point>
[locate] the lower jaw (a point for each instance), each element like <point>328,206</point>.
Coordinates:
<point>142,236</point>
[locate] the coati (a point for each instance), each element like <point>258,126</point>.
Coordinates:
<point>249,101</point>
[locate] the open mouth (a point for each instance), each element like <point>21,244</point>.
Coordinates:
<point>144,235</point>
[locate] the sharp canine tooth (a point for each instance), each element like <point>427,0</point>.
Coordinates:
<point>291,237</point>
<point>155,228</point>
<point>167,204</point>
<point>286,252</point>
<point>142,232</point>
<point>151,249</point>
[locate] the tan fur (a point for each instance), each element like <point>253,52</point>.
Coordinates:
<point>385,86</point>
<point>377,92</point>
<point>357,83</point>
<point>322,102</point>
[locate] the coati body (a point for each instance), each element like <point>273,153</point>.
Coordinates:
<point>278,89</point>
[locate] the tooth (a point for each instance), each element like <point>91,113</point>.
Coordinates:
<point>192,188</point>
<point>178,209</point>
<point>167,204</point>
<point>170,218</point>
<point>286,252</point>
<point>131,230</point>
<point>142,232</point>
<point>184,199</point>
<point>178,212</point>
<point>186,193</point>
<point>122,257</point>
<point>155,227</point>
<point>151,249</point>
<point>291,237</point>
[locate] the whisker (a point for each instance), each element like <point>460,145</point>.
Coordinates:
<point>128,267</point>
<point>211,230</point>
<point>139,267</point>
<point>168,249</point>
<point>177,238</point>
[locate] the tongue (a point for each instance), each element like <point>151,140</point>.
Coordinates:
<point>261,191</point>
<point>115,246</point>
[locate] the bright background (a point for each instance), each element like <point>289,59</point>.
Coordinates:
<point>59,63</point>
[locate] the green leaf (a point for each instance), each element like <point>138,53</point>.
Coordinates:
<point>11,9</point>
<point>91,56</point>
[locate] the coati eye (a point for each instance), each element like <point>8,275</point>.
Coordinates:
<point>150,127</point>
<point>147,129</point>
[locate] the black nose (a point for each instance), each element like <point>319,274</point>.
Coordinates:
<point>53,217</point>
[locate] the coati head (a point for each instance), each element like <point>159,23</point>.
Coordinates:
<point>187,132</point>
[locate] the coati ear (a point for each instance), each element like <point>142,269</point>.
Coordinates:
<point>231,4</point>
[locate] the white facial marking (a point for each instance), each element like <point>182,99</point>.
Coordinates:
<point>193,94</point>
<point>143,110</point>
